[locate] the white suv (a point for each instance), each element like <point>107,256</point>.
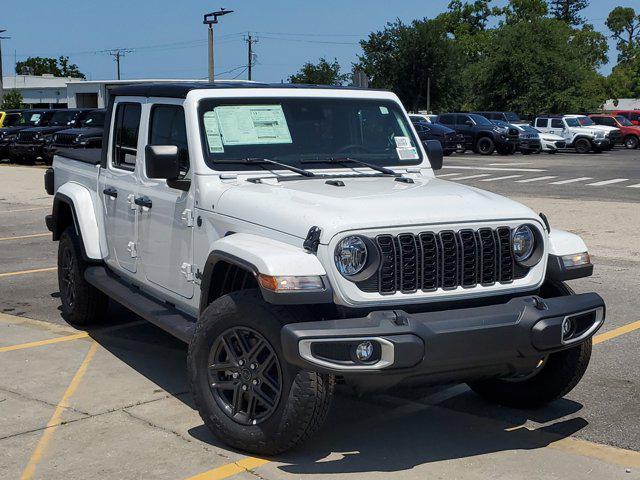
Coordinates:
<point>582,139</point>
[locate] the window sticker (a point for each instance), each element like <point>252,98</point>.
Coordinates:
<point>402,142</point>
<point>384,110</point>
<point>212,132</point>
<point>407,153</point>
<point>35,118</point>
<point>252,124</point>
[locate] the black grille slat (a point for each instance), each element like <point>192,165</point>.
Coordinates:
<point>446,260</point>
<point>26,137</point>
<point>65,138</point>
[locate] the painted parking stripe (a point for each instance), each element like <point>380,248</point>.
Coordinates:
<point>40,343</point>
<point>514,164</point>
<point>495,169</point>
<point>616,332</point>
<point>448,174</point>
<point>23,210</point>
<point>500,178</point>
<point>468,177</point>
<point>573,180</point>
<point>231,469</point>
<point>607,182</point>
<point>25,272</point>
<point>21,237</point>
<point>637,185</point>
<point>536,179</point>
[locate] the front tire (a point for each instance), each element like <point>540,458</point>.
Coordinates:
<point>557,376</point>
<point>631,142</point>
<point>82,303</point>
<point>245,391</point>
<point>485,146</point>
<point>582,145</point>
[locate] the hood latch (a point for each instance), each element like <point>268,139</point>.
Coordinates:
<point>313,240</point>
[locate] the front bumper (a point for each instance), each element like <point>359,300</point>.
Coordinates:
<point>443,346</point>
<point>27,150</point>
<point>530,145</point>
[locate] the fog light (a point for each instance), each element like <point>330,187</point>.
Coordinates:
<point>364,351</point>
<point>576,260</point>
<point>567,328</point>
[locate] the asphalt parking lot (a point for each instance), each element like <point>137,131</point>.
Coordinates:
<point>113,401</point>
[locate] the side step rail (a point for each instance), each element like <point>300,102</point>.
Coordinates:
<point>169,319</point>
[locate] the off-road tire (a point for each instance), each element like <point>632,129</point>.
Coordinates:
<point>560,373</point>
<point>485,146</point>
<point>582,145</point>
<point>631,142</point>
<point>84,304</point>
<point>305,396</point>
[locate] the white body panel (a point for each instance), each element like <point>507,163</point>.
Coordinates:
<point>565,243</point>
<point>84,201</point>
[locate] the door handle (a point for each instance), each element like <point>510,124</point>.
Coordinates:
<point>110,192</point>
<point>143,202</point>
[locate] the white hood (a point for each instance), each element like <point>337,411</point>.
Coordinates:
<point>294,206</point>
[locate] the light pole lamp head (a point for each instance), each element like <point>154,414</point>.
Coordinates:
<point>212,18</point>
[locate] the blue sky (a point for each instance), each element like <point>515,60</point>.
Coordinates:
<point>170,40</point>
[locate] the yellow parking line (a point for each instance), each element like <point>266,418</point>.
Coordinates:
<point>54,422</point>
<point>25,272</point>
<point>226,471</point>
<point>39,343</point>
<point>33,235</point>
<point>616,332</point>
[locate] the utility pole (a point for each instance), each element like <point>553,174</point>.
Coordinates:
<point>250,55</point>
<point>211,19</point>
<point>428,94</point>
<point>117,54</point>
<point>1,84</point>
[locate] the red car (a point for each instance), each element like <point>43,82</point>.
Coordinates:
<point>632,115</point>
<point>630,131</point>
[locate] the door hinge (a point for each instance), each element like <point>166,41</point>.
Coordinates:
<point>132,249</point>
<point>188,271</point>
<point>187,217</point>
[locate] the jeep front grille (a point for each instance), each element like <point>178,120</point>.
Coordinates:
<point>446,260</point>
<point>26,137</point>
<point>65,138</point>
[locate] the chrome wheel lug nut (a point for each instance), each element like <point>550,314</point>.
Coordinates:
<point>255,381</point>
<point>241,362</point>
<point>253,366</point>
<point>235,375</point>
<point>244,388</point>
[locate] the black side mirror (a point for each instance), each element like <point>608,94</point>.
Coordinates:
<point>468,123</point>
<point>434,153</point>
<point>161,161</point>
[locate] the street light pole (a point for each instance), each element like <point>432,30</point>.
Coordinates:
<point>1,84</point>
<point>211,19</point>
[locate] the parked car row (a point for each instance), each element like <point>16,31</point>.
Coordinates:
<point>505,132</point>
<point>29,135</point>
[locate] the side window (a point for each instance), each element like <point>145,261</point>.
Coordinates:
<point>634,116</point>
<point>542,122</point>
<point>167,127</point>
<point>460,119</point>
<point>447,119</point>
<point>608,121</point>
<point>125,139</point>
<point>556,123</point>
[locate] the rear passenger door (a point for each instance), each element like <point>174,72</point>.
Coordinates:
<point>467,131</point>
<point>166,225</point>
<point>118,185</point>
<point>558,128</point>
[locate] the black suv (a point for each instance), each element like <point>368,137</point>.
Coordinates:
<point>28,119</point>
<point>447,137</point>
<point>480,135</point>
<point>30,143</point>
<point>87,134</point>
<point>509,117</point>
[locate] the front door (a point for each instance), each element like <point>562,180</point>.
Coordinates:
<point>166,225</point>
<point>463,127</point>
<point>118,186</point>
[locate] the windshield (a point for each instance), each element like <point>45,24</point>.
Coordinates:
<point>586,121</point>
<point>500,123</point>
<point>623,121</point>
<point>297,130</point>
<point>93,119</point>
<point>480,120</point>
<point>572,122</point>
<point>11,119</point>
<point>31,119</point>
<point>63,118</point>
<point>512,117</point>
<point>528,129</point>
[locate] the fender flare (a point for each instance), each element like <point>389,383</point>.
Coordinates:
<point>261,255</point>
<point>565,243</point>
<point>84,219</point>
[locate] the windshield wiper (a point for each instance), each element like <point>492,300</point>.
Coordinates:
<point>341,160</point>
<point>268,161</point>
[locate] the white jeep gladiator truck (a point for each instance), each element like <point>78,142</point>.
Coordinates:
<point>583,139</point>
<point>297,235</point>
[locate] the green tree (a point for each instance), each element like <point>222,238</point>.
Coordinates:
<point>406,58</point>
<point>568,11</point>
<point>624,24</point>
<point>322,73</point>
<point>41,66</point>
<point>11,99</point>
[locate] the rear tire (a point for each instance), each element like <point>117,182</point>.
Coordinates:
<point>631,142</point>
<point>297,401</point>
<point>559,374</point>
<point>82,303</point>
<point>485,146</point>
<point>582,145</point>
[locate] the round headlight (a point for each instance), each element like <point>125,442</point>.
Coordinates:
<point>524,242</point>
<point>350,256</point>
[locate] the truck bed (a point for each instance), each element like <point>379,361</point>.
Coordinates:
<point>78,166</point>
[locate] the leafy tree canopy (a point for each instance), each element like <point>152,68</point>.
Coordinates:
<point>57,67</point>
<point>321,73</point>
<point>11,99</point>
<point>568,11</point>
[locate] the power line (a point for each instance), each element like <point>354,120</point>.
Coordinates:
<point>118,53</point>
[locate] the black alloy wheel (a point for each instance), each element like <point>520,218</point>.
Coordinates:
<point>245,375</point>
